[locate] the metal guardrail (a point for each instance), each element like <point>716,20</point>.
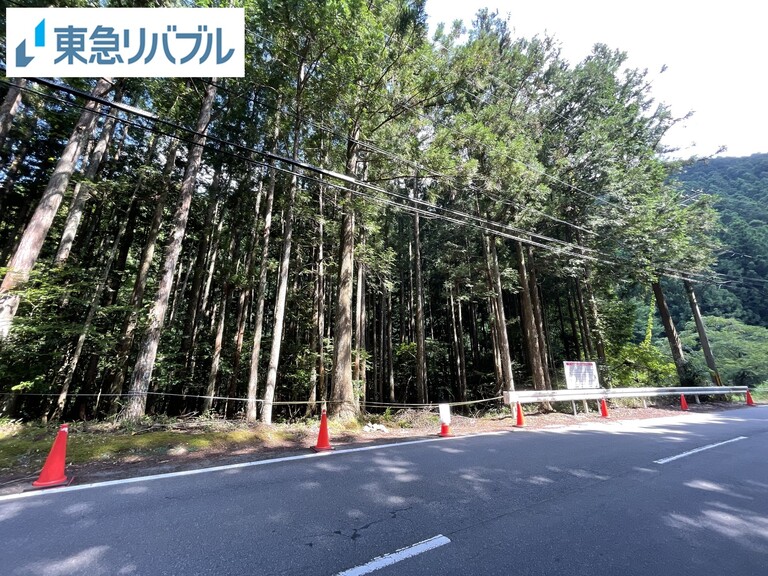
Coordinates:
<point>528,396</point>
<point>532,396</point>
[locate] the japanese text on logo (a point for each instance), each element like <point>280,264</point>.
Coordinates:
<point>126,42</point>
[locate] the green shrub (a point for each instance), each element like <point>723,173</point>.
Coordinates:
<point>641,365</point>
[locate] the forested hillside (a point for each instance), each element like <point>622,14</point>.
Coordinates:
<point>369,217</point>
<point>741,188</point>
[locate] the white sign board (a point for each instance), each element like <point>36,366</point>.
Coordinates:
<point>579,375</point>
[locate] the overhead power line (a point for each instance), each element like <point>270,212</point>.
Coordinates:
<point>411,204</point>
<point>492,226</point>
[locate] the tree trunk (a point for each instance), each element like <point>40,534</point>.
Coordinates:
<point>578,342</point>
<point>318,314</point>
<point>564,340</point>
<point>10,107</point>
<point>253,375</point>
<point>280,303</point>
<point>76,208</point>
<point>389,352</point>
<point>357,333</point>
<point>242,302</point>
<point>702,330</point>
<point>526,307</point>
<point>411,297</point>
<point>584,325</point>
<point>36,231</point>
<point>377,333</point>
<point>321,376</point>
<point>82,193</point>
<point>422,396</point>
<point>458,337</point>
<point>11,174</point>
<point>191,320</point>
<point>212,256</point>
<point>681,363</point>
<point>343,396</point>
<point>313,344</point>
<point>538,316</point>
<point>181,287</point>
<point>502,339</point>
<point>285,260</point>
<point>597,324</point>
<point>93,308</point>
<point>137,294</point>
<point>145,362</point>
<point>497,371</point>
<point>474,335</point>
<point>217,345</point>
<point>404,337</point>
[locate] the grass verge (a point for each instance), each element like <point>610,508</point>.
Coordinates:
<point>24,447</point>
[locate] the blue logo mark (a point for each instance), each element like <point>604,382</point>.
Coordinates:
<point>22,59</point>
<point>40,34</point>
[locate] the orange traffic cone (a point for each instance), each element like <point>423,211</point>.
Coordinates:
<point>603,408</point>
<point>683,403</point>
<point>520,415</point>
<point>445,430</point>
<point>750,402</point>
<point>323,440</point>
<point>53,469</point>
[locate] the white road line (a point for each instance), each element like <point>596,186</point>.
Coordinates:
<point>402,554</point>
<point>684,454</point>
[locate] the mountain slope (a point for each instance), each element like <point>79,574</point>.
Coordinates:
<point>742,187</point>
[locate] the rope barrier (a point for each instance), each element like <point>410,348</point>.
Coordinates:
<point>372,404</point>
<point>432,404</point>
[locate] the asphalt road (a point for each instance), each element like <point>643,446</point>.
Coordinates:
<point>597,500</point>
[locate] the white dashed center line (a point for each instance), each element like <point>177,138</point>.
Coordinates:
<point>394,557</point>
<point>694,451</point>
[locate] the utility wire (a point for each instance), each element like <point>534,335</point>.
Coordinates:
<point>411,209</point>
<point>368,145</point>
<point>522,163</point>
<point>492,225</point>
<point>426,209</point>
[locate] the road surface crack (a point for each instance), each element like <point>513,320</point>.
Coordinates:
<point>393,513</point>
<point>356,532</point>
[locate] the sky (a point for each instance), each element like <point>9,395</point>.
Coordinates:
<point>716,54</point>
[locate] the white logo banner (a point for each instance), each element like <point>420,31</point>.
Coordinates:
<point>125,42</point>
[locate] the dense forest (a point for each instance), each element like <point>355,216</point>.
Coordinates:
<point>369,217</point>
<point>741,188</point>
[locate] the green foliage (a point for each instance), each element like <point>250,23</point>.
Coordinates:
<point>760,393</point>
<point>741,188</point>
<point>491,128</point>
<point>740,350</point>
<point>641,365</point>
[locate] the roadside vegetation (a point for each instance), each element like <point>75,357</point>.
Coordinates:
<point>371,216</point>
